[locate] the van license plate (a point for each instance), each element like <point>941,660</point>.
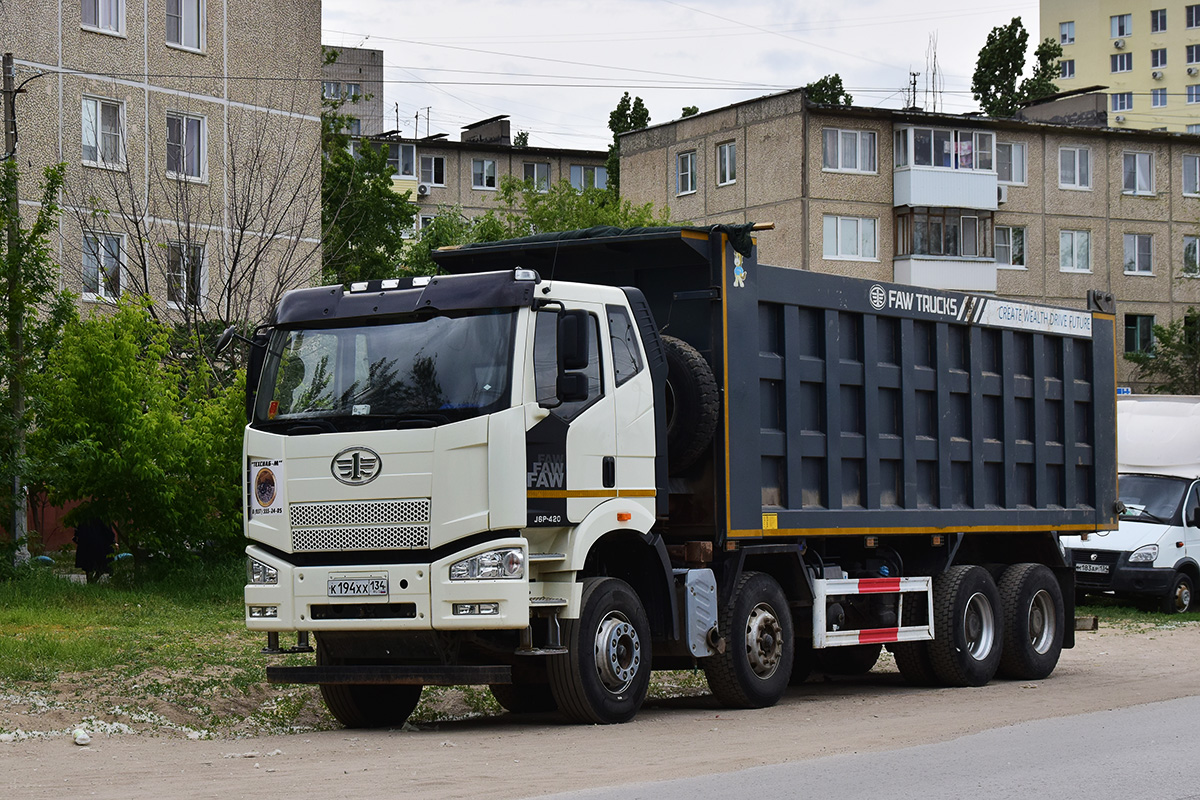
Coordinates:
<point>1103,568</point>
<point>358,587</point>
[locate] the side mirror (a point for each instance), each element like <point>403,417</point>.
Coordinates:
<point>572,387</point>
<point>226,339</point>
<point>573,341</point>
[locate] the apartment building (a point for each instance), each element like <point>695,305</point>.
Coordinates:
<point>1145,52</point>
<point>356,76</point>
<point>1023,209</point>
<point>191,134</point>
<point>439,172</point>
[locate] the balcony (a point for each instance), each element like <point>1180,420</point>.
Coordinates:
<point>947,272</point>
<point>934,186</point>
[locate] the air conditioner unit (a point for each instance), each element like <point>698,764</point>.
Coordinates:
<point>1119,43</point>
<point>1119,118</point>
<point>1157,74</point>
<point>1193,71</point>
<point>422,189</point>
<point>1001,194</point>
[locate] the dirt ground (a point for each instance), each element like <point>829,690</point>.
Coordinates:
<point>509,757</point>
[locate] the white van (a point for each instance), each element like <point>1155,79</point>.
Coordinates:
<point>1155,551</point>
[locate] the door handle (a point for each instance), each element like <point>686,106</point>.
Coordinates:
<point>610,472</point>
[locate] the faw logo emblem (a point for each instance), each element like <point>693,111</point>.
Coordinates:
<point>356,466</point>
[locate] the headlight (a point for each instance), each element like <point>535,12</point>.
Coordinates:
<point>1147,553</point>
<point>260,573</point>
<point>505,564</point>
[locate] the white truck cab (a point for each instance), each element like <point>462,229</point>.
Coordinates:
<point>1154,552</point>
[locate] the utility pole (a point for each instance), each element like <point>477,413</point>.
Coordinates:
<point>16,314</point>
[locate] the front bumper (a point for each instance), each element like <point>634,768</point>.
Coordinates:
<point>1122,577</point>
<point>420,597</point>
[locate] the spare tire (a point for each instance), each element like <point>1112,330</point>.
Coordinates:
<point>693,405</point>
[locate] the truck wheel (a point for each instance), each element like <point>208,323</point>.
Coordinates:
<point>358,705</point>
<point>604,676</point>
<point>1179,599</point>
<point>756,666</point>
<point>1033,614</point>
<point>966,605</point>
<point>693,405</point>
<point>855,659</point>
<point>914,663</point>
<point>524,698</point>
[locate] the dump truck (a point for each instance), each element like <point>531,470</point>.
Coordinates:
<point>1155,552</point>
<point>576,458</point>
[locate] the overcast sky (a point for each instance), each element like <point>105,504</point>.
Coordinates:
<point>558,68</point>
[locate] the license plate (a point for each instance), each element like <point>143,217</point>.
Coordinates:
<point>1102,568</point>
<point>358,587</point>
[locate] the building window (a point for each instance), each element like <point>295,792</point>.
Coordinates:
<point>1075,251</point>
<point>1121,62</point>
<point>1122,101</point>
<point>1191,174</point>
<point>1138,173</point>
<point>1010,162</point>
<point>1158,20</point>
<point>1193,54</point>
<point>943,232</point>
<point>850,237</point>
<point>354,126</point>
<point>585,176</point>
<point>1010,246</point>
<point>1193,128</point>
<point>1193,94</point>
<point>1121,25</point>
<point>1074,168</point>
<point>102,144</point>
<point>185,26</point>
<point>1192,15</point>
<point>426,221</point>
<point>1066,33</point>
<point>101,266</point>
<point>331,90</point>
<point>849,151</point>
<point>726,163</point>
<point>1137,254</point>
<point>433,170</point>
<point>1158,98</point>
<point>685,172</point>
<point>354,91</point>
<point>1158,58</point>
<point>900,149</point>
<point>538,174</point>
<point>105,15</point>
<point>483,173</point>
<point>185,273</point>
<point>1066,69</point>
<point>952,149</point>
<point>1191,262</point>
<point>186,146</point>
<point>403,158</point>
<point>1139,333</point>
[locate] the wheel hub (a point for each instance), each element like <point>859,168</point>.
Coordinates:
<point>764,640</point>
<point>618,650</point>
<point>979,626</point>
<point>1041,622</point>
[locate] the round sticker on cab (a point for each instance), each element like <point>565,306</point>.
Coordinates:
<point>266,488</point>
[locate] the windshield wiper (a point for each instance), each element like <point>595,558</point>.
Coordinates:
<point>1144,515</point>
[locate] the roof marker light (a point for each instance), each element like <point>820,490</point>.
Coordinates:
<point>420,281</point>
<point>526,275</point>
<point>358,287</point>
<point>390,283</point>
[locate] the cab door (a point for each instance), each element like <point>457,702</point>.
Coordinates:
<point>571,454</point>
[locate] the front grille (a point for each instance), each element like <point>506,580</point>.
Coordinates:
<point>363,512</point>
<point>360,525</point>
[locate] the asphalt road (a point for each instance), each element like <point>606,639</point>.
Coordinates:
<point>1146,751</point>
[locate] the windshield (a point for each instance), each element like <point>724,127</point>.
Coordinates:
<point>418,373</point>
<point>1152,498</point>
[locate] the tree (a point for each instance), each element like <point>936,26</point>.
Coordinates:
<point>828,91</point>
<point>521,139</point>
<point>689,111</point>
<point>627,116</point>
<point>363,219</point>
<point>524,209</point>
<point>139,441</point>
<point>1172,365</point>
<point>1001,63</point>
<point>33,313</point>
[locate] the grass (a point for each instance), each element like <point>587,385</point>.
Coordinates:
<point>174,653</point>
